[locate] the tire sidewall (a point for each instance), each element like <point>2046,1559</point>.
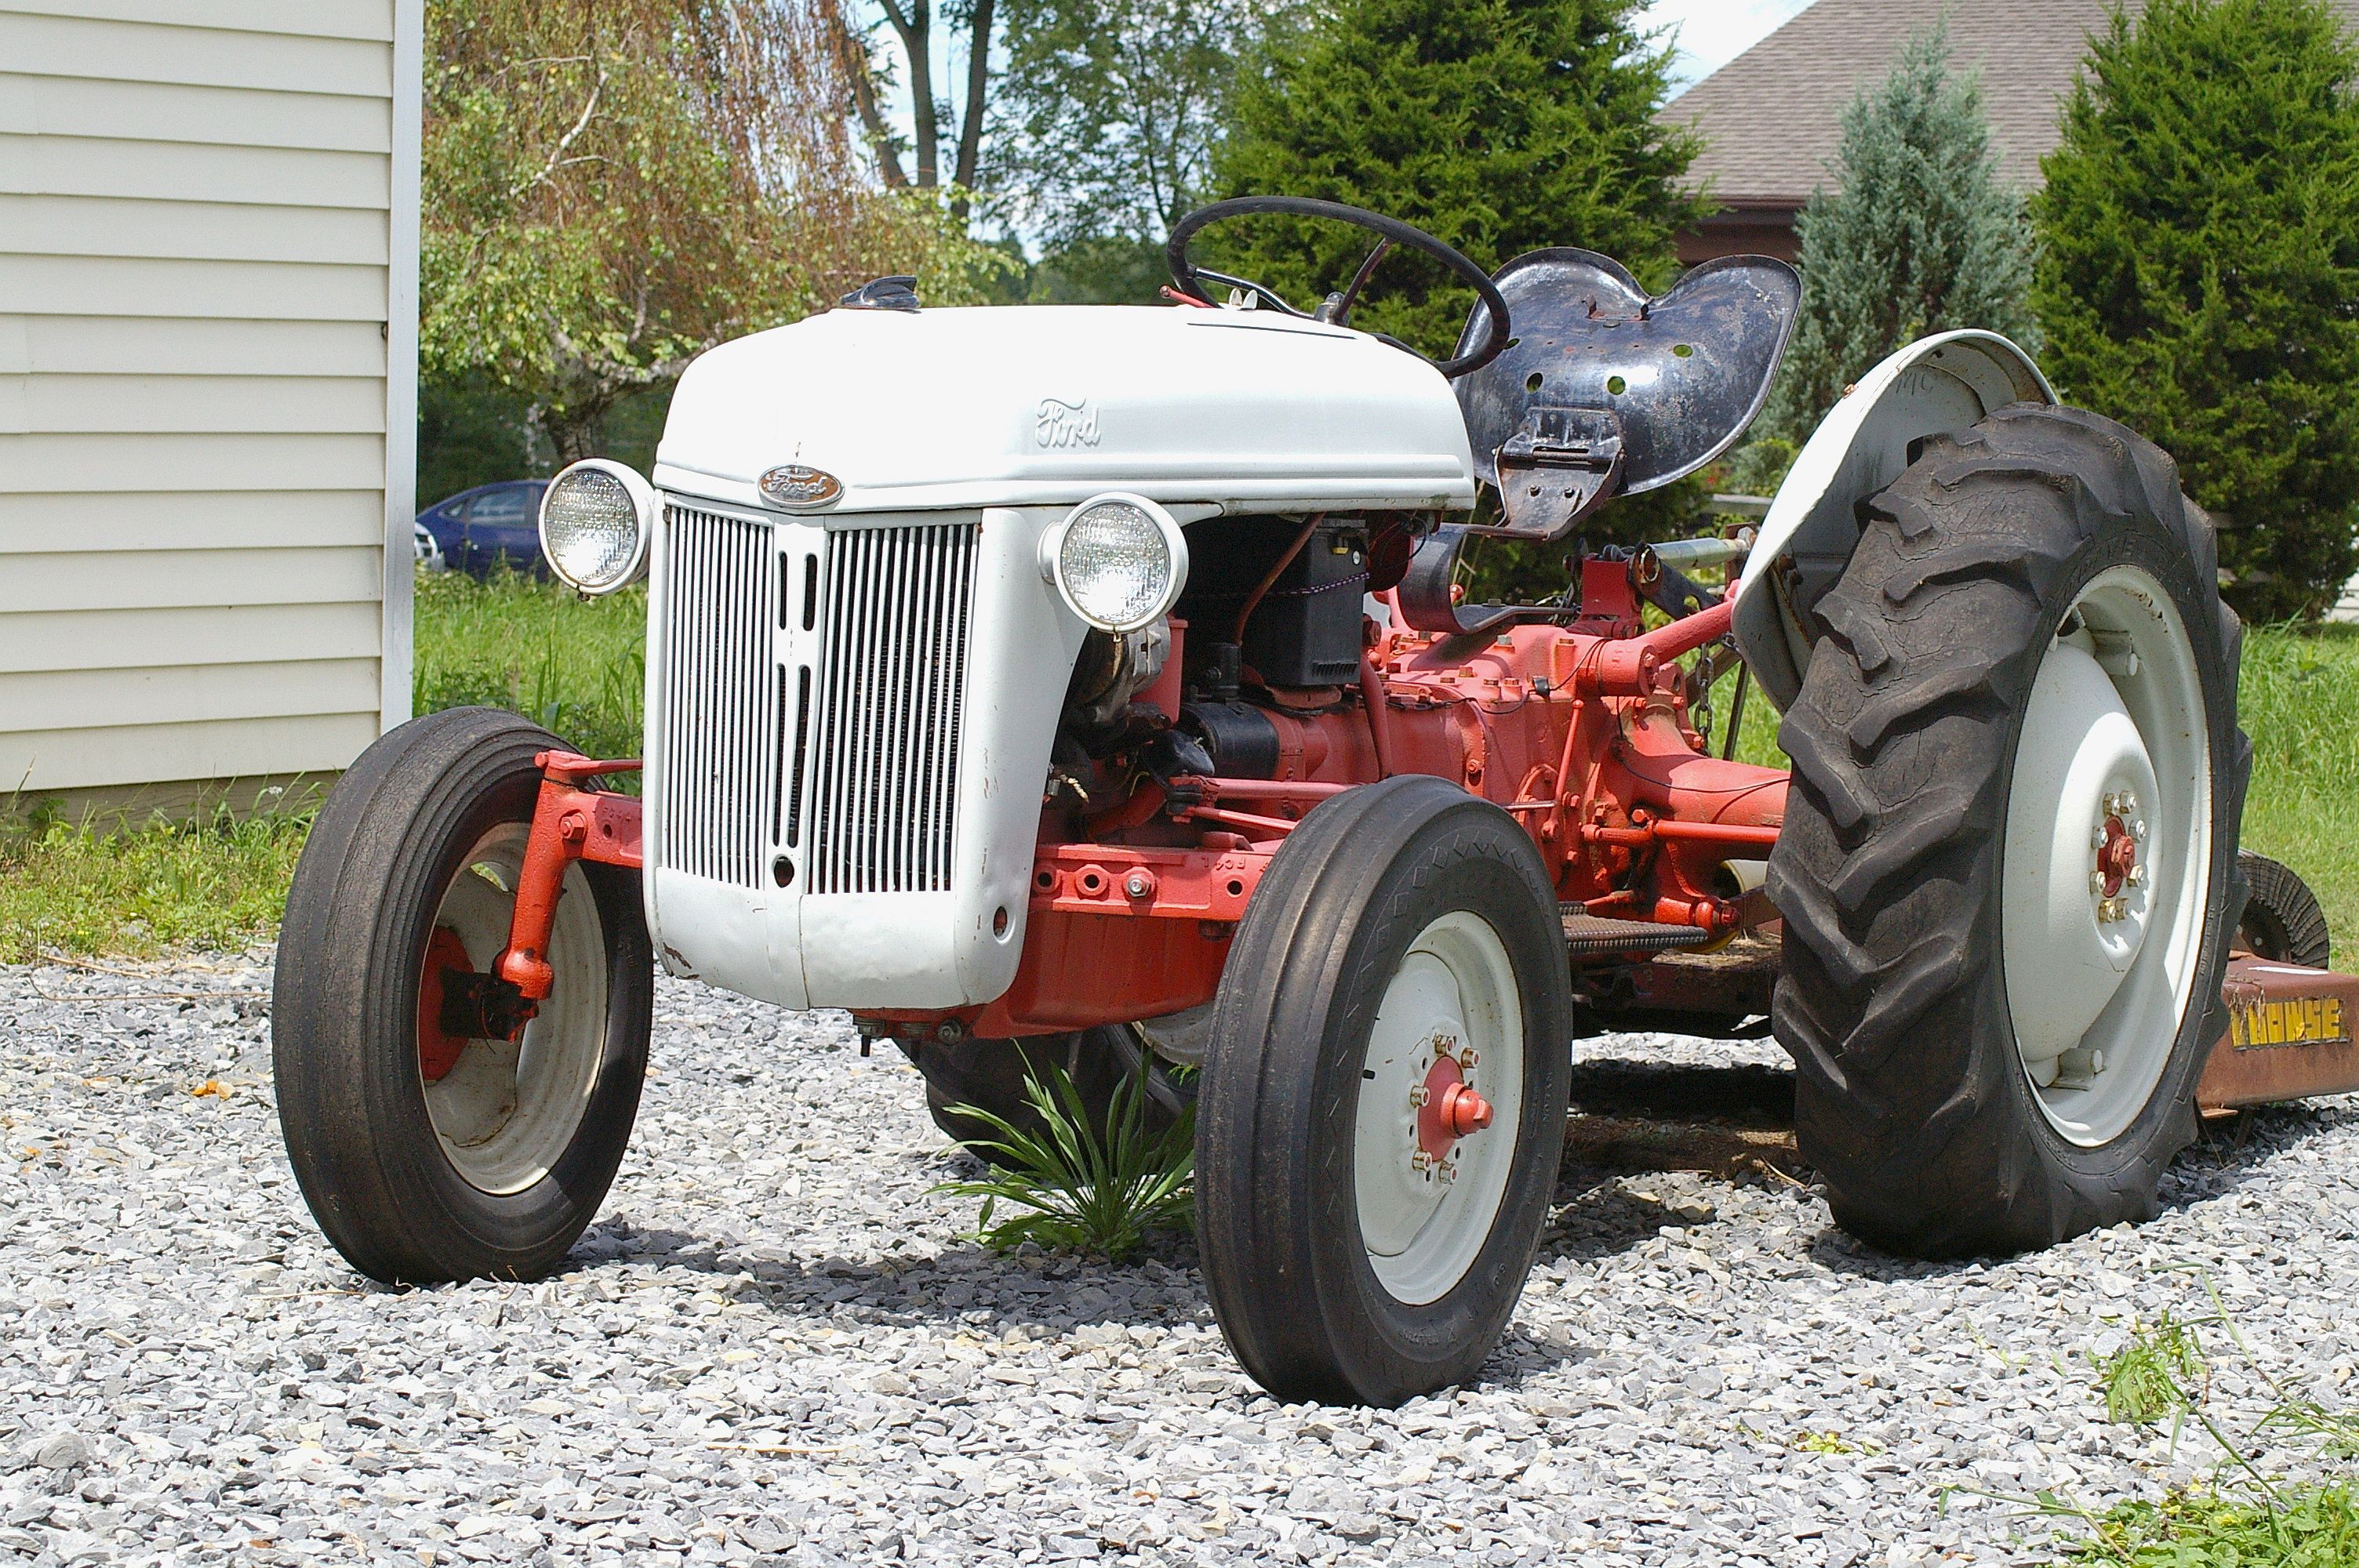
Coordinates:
<point>365,897</point>
<point>1420,1341</point>
<point>2165,1123</point>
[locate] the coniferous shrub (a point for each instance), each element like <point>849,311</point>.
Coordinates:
<point>1916,235</point>
<point>2200,277</point>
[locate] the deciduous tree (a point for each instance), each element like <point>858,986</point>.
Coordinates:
<point>613,186</point>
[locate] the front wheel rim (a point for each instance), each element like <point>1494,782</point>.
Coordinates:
<point>2108,856</point>
<point>505,1112</point>
<point>1450,1021</point>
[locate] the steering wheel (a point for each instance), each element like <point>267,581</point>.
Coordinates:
<point>1191,279</point>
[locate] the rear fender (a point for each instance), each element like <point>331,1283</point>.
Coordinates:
<point>1935,385</point>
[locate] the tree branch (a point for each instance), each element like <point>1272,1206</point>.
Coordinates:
<point>978,81</point>
<point>915,29</point>
<point>557,158</point>
<point>863,73</point>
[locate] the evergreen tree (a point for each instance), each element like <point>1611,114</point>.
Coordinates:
<point>1916,235</point>
<point>2200,274</point>
<point>1498,126</point>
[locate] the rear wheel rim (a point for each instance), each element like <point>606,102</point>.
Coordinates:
<point>2108,856</point>
<point>506,1111</point>
<point>1424,1220</point>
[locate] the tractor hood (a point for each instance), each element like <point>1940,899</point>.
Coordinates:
<point>1011,406</point>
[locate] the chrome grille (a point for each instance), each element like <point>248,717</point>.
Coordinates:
<point>893,649</point>
<point>719,779</point>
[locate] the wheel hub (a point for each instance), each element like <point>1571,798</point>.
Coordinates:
<point>1448,1108</point>
<point>438,1049</point>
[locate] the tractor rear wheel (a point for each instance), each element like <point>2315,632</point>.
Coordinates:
<point>1383,1104</point>
<point>427,1154</point>
<point>2007,872</point>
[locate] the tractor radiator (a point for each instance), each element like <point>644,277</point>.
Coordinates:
<point>721,698</point>
<point>884,744</point>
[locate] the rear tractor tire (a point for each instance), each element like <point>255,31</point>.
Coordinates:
<point>427,1156</point>
<point>1383,1104</point>
<point>2008,869</point>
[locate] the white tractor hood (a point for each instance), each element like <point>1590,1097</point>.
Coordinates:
<point>1050,405</point>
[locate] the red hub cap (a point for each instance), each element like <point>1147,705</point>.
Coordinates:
<point>438,1052</point>
<point>2118,857</point>
<point>1452,1110</point>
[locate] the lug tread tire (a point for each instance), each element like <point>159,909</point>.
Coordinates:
<point>2282,919</point>
<point>344,1011</point>
<point>1275,1223</point>
<point>1911,1100</point>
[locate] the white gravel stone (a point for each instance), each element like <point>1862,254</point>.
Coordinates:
<point>777,1345</point>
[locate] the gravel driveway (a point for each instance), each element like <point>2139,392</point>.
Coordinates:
<point>776,1344</point>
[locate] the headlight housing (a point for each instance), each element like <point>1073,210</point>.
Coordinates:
<point>1118,561</point>
<point>595,519</point>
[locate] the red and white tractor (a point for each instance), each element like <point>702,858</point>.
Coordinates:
<point>1092,684</point>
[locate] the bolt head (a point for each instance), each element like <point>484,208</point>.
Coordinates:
<point>2097,836</point>
<point>1469,1057</point>
<point>1417,1096</point>
<point>1137,886</point>
<point>2137,828</point>
<point>2137,876</point>
<point>2097,882</point>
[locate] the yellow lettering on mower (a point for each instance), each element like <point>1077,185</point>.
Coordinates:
<point>2303,1021</point>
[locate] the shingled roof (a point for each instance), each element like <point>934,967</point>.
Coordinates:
<point>1772,117</point>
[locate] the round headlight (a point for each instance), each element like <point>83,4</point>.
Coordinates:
<point>1118,560</point>
<point>594,522</point>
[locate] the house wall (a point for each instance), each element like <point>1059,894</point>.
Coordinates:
<point>208,317</point>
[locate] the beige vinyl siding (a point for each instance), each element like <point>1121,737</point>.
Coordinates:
<point>200,202</point>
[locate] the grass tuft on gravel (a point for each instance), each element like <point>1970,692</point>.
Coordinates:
<point>1070,1189</point>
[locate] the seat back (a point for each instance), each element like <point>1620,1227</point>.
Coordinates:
<point>1642,391</point>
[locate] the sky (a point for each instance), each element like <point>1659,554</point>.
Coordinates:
<point>1713,32</point>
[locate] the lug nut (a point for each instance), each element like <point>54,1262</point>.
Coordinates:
<point>2097,882</point>
<point>1417,1097</point>
<point>2137,828</point>
<point>2137,876</point>
<point>2097,834</point>
<point>1470,1058</point>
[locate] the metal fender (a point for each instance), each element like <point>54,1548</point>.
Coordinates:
<point>1933,385</point>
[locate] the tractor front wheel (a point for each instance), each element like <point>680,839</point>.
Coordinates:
<point>2009,867</point>
<point>1383,1103</point>
<point>433,1139</point>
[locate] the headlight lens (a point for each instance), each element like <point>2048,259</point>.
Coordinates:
<point>1118,560</point>
<point>594,522</point>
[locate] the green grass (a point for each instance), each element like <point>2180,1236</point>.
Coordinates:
<point>579,667</point>
<point>71,887</point>
<point>84,886</point>
<point>576,666</point>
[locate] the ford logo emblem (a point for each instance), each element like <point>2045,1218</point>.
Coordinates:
<point>793,485</point>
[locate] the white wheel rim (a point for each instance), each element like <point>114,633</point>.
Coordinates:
<point>507,1111</point>
<point>1424,1221</point>
<point>2100,968</point>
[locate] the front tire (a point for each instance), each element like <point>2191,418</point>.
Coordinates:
<point>1365,1229</point>
<point>424,1156</point>
<point>2007,872</point>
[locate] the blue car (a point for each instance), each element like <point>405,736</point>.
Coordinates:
<point>478,528</point>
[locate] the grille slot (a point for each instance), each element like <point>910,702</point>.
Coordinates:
<point>894,612</point>
<point>721,709</point>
